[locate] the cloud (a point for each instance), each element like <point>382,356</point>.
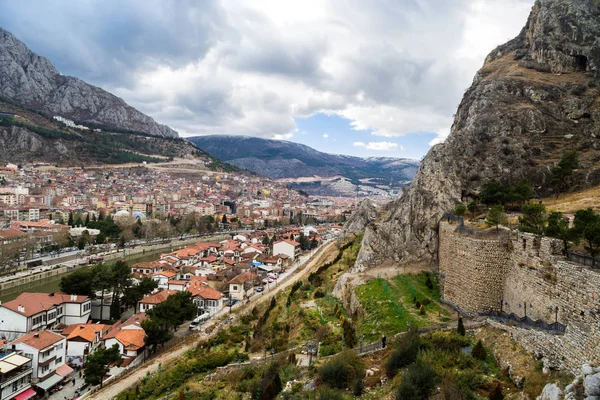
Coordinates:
<point>325,135</point>
<point>378,146</point>
<point>251,68</point>
<point>285,136</point>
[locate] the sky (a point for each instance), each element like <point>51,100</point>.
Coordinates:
<point>365,78</point>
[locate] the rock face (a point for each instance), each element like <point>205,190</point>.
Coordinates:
<point>551,392</point>
<point>31,80</point>
<point>535,97</point>
<point>366,213</point>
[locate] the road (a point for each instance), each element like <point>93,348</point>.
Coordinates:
<point>110,391</point>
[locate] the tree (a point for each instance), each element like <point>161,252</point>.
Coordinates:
<point>587,226</point>
<point>492,192</point>
<point>224,219</point>
<point>461,327</point>
<point>87,219</point>
<point>478,351</point>
<point>558,227</point>
<point>460,210</point>
<point>96,364</point>
<point>266,240</point>
<point>496,216</point>
<point>534,218</point>
<point>120,278</point>
<point>405,353</point>
<point>562,173</point>
<point>134,293</point>
<point>70,223</point>
<point>80,282</point>
<point>156,333</point>
<point>472,207</point>
<point>417,382</point>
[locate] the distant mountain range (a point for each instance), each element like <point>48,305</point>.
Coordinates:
<point>30,80</point>
<point>280,159</point>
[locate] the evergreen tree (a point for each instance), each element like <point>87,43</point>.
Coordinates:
<point>558,227</point>
<point>224,219</point>
<point>460,210</point>
<point>96,364</point>
<point>472,207</point>
<point>534,218</point>
<point>70,223</point>
<point>562,173</point>
<point>478,351</point>
<point>461,327</point>
<point>87,219</point>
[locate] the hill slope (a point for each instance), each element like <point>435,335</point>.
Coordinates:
<point>32,81</point>
<point>535,98</point>
<point>283,159</point>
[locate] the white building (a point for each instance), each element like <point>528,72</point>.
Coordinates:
<point>128,336</point>
<point>288,247</point>
<point>207,299</point>
<point>162,278</point>
<point>38,311</point>
<point>15,376</point>
<point>83,339</point>
<point>242,286</point>
<point>48,351</point>
<point>149,302</point>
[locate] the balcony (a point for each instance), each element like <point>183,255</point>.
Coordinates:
<point>14,375</point>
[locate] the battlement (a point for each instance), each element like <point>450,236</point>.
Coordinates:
<point>526,275</point>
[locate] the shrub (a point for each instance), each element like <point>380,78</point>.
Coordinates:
<point>445,340</point>
<point>461,327</point>
<point>342,370</point>
<point>270,383</point>
<point>451,390</point>
<point>429,282</point>
<point>496,392</point>
<point>422,310</point>
<point>478,351</point>
<point>426,301</point>
<point>349,334</point>
<point>326,393</point>
<point>418,304</point>
<point>405,353</point>
<point>319,294</point>
<point>358,387</point>
<point>417,383</point>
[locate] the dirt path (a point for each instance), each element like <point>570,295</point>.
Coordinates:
<point>110,391</point>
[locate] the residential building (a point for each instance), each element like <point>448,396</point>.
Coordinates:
<point>15,376</point>
<point>48,352</point>
<point>152,300</point>
<point>83,339</point>
<point>207,299</point>
<point>242,286</point>
<point>162,278</point>
<point>38,311</point>
<point>288,247</point>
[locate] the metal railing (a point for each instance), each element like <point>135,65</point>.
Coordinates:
<point>584,259</point>
<point>555,328</point>
<point>369,347</point>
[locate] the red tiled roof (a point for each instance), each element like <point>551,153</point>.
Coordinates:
<point>157,298</point>
<point>34,303</point>
<point>39,340</point>
<point>246,276</point>
<point>206,292</point>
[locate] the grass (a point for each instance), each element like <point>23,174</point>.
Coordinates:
<point>389,307</point>
<point>570,202</point>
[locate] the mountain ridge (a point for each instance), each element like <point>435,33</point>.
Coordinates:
<point>31,80</point>
<point>285,159</point>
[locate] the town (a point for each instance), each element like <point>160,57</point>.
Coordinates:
<point>52,215</point>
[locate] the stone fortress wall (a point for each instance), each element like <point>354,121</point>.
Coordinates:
<point>527,276</point>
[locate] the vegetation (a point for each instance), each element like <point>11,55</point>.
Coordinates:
<point>460,210</point>
<point>342,371</point>
<point>417,382</point>
<point>405,352</point>
<point>496,193</point>
<point>533,219</point>
<point>96,364</point>
<point>167,316</point>
<point>496,216</point>
<point>562,173</point>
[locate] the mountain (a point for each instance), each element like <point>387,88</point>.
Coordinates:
<point>32,81</point>
<point>282,159</point>
<point>535,98</point>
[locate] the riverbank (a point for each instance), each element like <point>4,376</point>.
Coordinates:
<point>47,280</point>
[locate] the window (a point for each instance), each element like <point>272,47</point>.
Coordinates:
<point>45,368</point>
<point>235,287</point>
<point>58,361</point>
<point>87,306</point>
<point>59,346</point>
<point>28,355</point>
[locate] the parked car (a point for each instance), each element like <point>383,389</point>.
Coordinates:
<point>231,302</point>
<point>260,289</point>
<point>265,281</point>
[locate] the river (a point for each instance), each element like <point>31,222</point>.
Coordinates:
<point>52,285</point>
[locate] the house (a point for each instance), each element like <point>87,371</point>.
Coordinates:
<point>16,373</point>
<point>177,285</point>
<point>152,300</point>
<point>38,311</point>
<point>242,285</point>
<point>48,352</point>
<point>288,247</point>
<point>83,339</point>
<point>207,299</point>
<point>162,278</point>
<point>129,336</point>
<point>146,268</point>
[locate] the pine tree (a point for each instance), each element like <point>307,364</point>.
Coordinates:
<point>70,223</point>
<point>461,327</point>
<point>87,219</point>
<point>478,351</point>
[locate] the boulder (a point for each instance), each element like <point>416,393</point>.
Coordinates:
<point>591,385</point>
<point>551,392</point>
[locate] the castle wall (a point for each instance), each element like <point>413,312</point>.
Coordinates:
<point>535,279</point>
<point>474,270</point>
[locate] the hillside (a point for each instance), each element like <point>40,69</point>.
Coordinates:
<point>29,136</point>
<point>535,98</point>
<point>289,161</point>
<point>32,81</point>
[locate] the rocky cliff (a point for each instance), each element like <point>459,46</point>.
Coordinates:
<point>535,97</point>
<point>32,81</point>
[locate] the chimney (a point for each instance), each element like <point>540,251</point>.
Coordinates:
<point>51,295</point>
<point>21,308</point>
<point>73,297</point>
<point>36,335</point>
